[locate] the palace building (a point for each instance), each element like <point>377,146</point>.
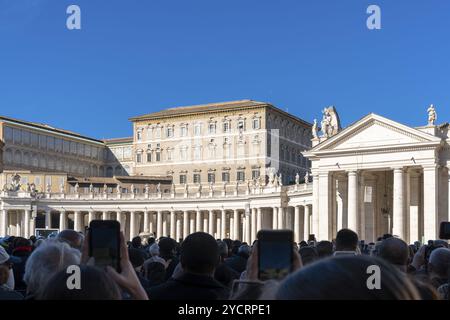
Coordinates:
<point>230,169</point>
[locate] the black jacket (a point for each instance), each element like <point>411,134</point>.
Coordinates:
<point>237,262</point>
<point>189,287</point>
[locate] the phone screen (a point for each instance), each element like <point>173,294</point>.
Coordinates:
<point>444,232</point>
<point>104,243</point>
<point>274,253</point>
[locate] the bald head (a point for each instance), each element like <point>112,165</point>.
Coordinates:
<point>394,251</point>
<point>72,237</point>
<point>439,262</point>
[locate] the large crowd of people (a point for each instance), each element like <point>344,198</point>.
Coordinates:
<point>204,268</point>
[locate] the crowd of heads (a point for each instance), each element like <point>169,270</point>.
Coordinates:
<point>202,267</point>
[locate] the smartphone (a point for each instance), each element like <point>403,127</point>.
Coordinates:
<point>104,243</point>
<point>275,253</point>
<point>444,230</point>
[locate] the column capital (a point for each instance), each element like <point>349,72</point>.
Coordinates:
<point>398,169</point>
<point>352,172</point>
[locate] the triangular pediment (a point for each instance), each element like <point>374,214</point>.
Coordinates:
<point>374,131</point>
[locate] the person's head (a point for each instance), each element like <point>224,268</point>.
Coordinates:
<point>244,251</point>
<point>73,238</point>
<point>167,247</point>
<point>33,239</point>
<point>308,255</point>
<point>47,259</point>
<point>154,250</point>
<point>155,272</point>
<point>346,278</point>
<point>136,242</point>
<point>150,241</point>
<point>439,263</point>
<point>21,242</point>
<point>199,254</point>
<point>95,284</point>
<point>324,249</point>
<point>386,236</point>
<point>303,243</point>
<point>137,258</point>
<point>235,247</point>
<point>394,251</point>
<point>223,249</point>
<point>346,240</point>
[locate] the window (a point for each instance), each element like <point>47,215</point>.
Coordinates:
<point>149,157</point>
<point>183,131</point>
<point>212,151</point>
<point>139,157</point>
<point>226,127</point>
<point>182,178</point>
<point>226,176</point>
<point>212,128</point>
<point>256,123</point>
<point>196,177</point>
<point>50,143</point>
<point>169,154</point>
<point>8,134</point>
<point>26,137</point>
<point>158,156</point>
<point>42,141</point>
<point>139,135</point>
<point>211,177</point>
<point>158,132</point>
<point>241,125</point>
<point>255,174</point>
<point>34,140</point>
<point>169,132</point>
<point>183,153</point>
<point>17,136</point>
<point>240,175</point>
<point>197,129</point>
<point>197,153</point>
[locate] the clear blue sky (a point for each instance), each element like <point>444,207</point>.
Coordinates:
<point>133,57</point>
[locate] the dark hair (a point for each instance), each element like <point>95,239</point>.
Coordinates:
<point>303,243</point>
<point>95,284</point>
<point>155,273</point>
<point>150,241</point>
<point>346,240</point>
<point>137,257</point>
<point>394,251</point>
<point>166,247</point>
<point>346,278</point>
<point>199,253</point>
<point>308,255</point>
<point>324,249</point>
<point>136,242</point>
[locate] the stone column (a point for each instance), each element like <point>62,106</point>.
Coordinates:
<point>4,223</point>
<point>448,194</point>
<point>105,215</point>
<point>430,202</point>
<point>133,232</point>
<point>198,221</point>
<point>218,225</point>
<point>172,224</point>
<point>297,229</point>
<point>91,216</point>
<point>159,224</point>
<point>223,224</point>
<point>248,226</point>
<point>398,214</point>
<point>254,226</point>
<point>211,223</point>
<point>146,221</point>
<point>120,218</point>
<point>306,226</point>
<point>185,224</point>
<point>26,223</point>
<point>281,218</point>
<point>48,219</point>
<point>315,206</point>
<point>62,220</point>
<point>32,223</point>
<point>178,235</point>
<point>151,224</point>
<point>165,225</point>
<point>191,224</point>
<point>414,207</point>
<point>275,218</point>
<point>352,222</point>
<point>258,221</point>
<point>324,207</point>
<point>78,225</point>
<point>237,234</point>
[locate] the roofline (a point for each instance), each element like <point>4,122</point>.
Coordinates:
<point>49,129</point>
<point>258,104</point>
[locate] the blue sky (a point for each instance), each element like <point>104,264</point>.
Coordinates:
<point>133,57</point>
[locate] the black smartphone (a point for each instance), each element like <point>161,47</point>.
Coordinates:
<point>275,253</point>
<point>444,230</point>
<point>104,243</point>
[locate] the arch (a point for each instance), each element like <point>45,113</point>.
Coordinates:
<point>118,171</point>
<point>109,172</point>
<point>8,156</point>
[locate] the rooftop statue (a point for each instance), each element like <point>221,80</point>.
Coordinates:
<point>330,122</point>
<point>432,116</point>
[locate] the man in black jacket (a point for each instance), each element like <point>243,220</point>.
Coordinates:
<point>199,258</point>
